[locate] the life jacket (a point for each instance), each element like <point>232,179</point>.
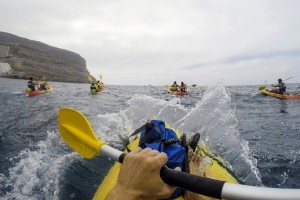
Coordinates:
<point>183,87</point>
<point>174,88</point>
<point>99,86</point>
<point>93,87</point>
<point>282,87</point>
<point>157,136</point>
<point>31,85</point>
<point>42,85</point>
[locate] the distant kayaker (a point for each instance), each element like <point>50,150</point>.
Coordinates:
<point>42,83</point>
<point>174,87</point>
<point>31,84</point>
<point>183,87</point>
<point>281,87</point>
<point>93,87</point>
<point>99,86</point>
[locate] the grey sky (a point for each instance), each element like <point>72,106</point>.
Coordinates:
<point>141,42</point>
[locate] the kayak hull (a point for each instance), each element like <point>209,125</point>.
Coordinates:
<point>93,93</point>
<point>38,92</point>
<point>267,92</point>
<point>212,170</point>
<point>178,93</point>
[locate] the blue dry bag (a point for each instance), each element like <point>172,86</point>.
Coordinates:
<point>157,137</point>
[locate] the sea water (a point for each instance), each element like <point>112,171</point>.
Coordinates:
<point>257,136</point>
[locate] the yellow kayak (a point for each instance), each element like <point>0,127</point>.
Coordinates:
<point>96,92</point>
<point>264,90</point>
<point>178,93</point>
<point>212,167</point>
<point>77,132</point>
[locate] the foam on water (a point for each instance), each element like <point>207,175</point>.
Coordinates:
<point>38,170</point>
<point>140,110</point>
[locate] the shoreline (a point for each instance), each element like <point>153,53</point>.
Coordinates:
<point>25,77</point>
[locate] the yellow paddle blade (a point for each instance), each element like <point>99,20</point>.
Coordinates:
<point>78,133</point>
<point>90,78</point>
<point>166,85</point>
<point>100,76</point>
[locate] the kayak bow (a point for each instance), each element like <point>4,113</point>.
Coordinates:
<point>79,135</point>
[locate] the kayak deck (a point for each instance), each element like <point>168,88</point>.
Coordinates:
<point>267,92</point>
<point>38,92</point>
<point>211,166</point>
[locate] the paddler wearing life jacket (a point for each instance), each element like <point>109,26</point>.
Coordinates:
<point>31,85</point>
<point>183,87</point>
<point>42,84</point>
<point>99,86</point>
<point>174,87</point>
<point>93,88</point>
<point>281,87</point>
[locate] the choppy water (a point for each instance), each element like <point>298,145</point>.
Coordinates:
<point>258,136</point>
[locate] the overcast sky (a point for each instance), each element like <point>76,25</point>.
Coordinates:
<point>142,42</point>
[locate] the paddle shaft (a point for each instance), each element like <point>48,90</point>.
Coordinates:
<point>288,78</point>
<point>211,187</point>
<point>197,184</point>
<point>283,80</point>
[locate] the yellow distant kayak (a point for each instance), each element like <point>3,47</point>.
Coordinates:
<point>178,93</point>
<point>264,90</point>
<point>96,92</point>
<point>214,167</point>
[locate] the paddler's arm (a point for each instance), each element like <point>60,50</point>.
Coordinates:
<point>139,177</point>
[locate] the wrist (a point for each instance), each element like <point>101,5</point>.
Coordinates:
<point>119,192</point>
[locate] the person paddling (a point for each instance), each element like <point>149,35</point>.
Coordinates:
<point>99,86</point>
<point>183,87</point>
<point>31,84</point>
<point>93,88</point>
<point>42,83</point>
<point>174,87</point>
<point>281,87</point>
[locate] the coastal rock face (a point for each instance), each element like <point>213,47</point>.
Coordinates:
<point>32,58</point>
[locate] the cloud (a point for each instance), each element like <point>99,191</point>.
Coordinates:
<point>150,42</point>
<point>240,58</point>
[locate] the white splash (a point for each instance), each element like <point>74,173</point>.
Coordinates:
<point>213,117</point>
<point>38,170</point>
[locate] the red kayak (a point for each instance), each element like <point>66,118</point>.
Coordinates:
<point>38,92</point>
<point>35,92</point>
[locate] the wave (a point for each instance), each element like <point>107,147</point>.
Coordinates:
<point>38,171</point>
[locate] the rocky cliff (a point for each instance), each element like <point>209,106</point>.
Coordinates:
<point>32,58</point>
